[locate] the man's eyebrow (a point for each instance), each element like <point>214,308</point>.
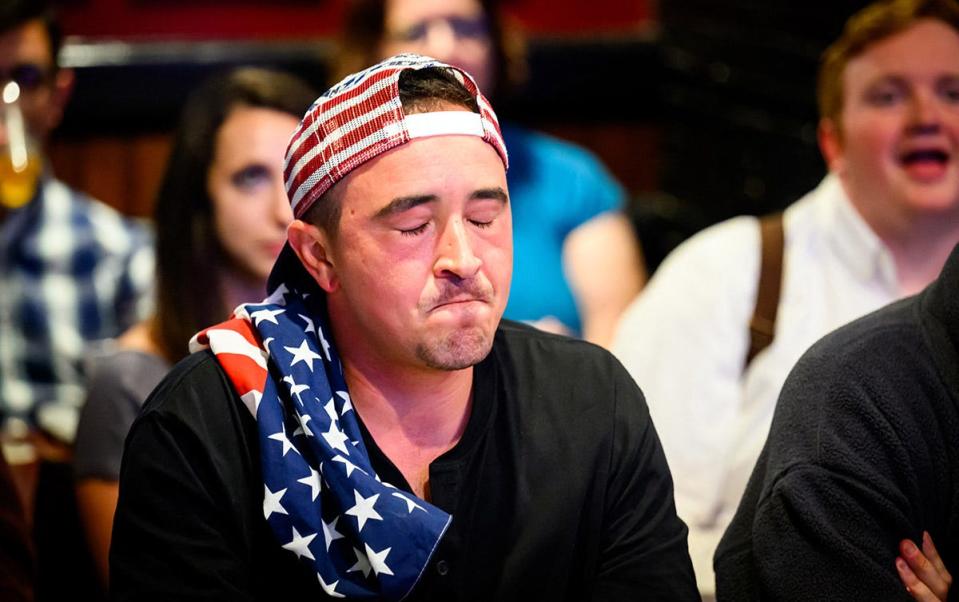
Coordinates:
<point>403,203</point>
<point>496,193</point>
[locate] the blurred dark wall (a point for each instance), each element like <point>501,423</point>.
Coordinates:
<point>738,96</point>
<point>705,109</point>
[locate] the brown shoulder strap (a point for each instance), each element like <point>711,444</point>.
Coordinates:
<point>762,326</point>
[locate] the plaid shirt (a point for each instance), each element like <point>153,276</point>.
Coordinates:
<point>72,270</point>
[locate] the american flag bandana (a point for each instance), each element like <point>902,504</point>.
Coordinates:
<point>360,118</point>
<point>364,538</point>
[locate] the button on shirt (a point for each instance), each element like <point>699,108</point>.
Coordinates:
<point>72,270</point>
<point>685,338</point>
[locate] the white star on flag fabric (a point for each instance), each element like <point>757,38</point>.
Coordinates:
<point>375,543</point>
<point>300,545</point>
<point>303,353</point>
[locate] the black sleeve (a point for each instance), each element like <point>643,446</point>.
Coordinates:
<point>644,554</point>
<point>851,467</point>
<point>182,526</point>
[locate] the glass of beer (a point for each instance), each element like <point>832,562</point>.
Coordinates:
<point>19,160</point>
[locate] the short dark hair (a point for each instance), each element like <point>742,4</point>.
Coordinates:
<point>17,13</point>
<point>870,25</point>
<point>187,247</point>
<point>421,91</point>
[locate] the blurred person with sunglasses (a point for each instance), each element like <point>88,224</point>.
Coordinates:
<point>72,270</point>
<point>577,263</point>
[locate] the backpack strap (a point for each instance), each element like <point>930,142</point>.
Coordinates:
<point>762,326</point>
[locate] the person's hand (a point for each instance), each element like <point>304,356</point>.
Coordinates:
<point>922,571</point>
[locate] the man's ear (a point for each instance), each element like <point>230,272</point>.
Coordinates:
<point>63,81</point>
<point>830,145</point>
<point>313,247</point>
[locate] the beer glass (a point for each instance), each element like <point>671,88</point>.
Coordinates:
<point>19,158</point>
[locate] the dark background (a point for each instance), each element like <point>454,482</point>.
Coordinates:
<point>704,109</point>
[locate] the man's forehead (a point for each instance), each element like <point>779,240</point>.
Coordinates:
<point>926,48</point>
<point>429,166</point>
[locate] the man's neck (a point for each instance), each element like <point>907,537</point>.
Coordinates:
<point>919,242</point>
<point>920,255</point>
<point>414,416</point>
<point>426,407</point>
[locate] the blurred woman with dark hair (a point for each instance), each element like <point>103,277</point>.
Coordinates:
<point>221,218</point>
<point>577,264</point>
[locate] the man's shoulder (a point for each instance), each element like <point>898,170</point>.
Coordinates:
<point>713,272</point>
<point>195,386</point>
<point>880,336</point>
<point>528,341</point>
<point>727,243</point>
<point>857,375</point>
<point>565,384</point>
<point>736,241</point>
<point>127,373</point>
<point>542,361</point>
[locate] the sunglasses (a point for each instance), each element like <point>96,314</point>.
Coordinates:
<point>464,28</point>
<point>28,76</point>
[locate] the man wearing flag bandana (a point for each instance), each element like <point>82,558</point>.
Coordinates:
<point>372,429</point>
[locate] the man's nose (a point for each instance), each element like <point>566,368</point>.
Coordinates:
<point>440,42</point>
<point>455,256</point>
<point>925,113</point>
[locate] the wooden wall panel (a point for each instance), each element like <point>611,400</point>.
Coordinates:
<point>123,172</point>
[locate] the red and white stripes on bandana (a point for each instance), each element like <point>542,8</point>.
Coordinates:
<point>362,117</point>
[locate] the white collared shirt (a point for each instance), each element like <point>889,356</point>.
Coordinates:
<point>685,339</point>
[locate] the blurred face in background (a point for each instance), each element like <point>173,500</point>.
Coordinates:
<point>245,184</point>
<point>896,147</point>
<point>26,58</point>
<point>453,31</point>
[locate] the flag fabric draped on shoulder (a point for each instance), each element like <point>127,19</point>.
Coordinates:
<point>364,538</point>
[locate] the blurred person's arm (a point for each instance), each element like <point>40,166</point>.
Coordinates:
<point>118,387</point>
<point>605,269</point>
<point>97,502</point>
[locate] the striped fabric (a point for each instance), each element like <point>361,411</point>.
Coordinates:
<point>358,119</point>
<point>363,537</point>
<point>72,271</point>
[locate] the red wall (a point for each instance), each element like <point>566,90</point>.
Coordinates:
<point>195,19</point>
